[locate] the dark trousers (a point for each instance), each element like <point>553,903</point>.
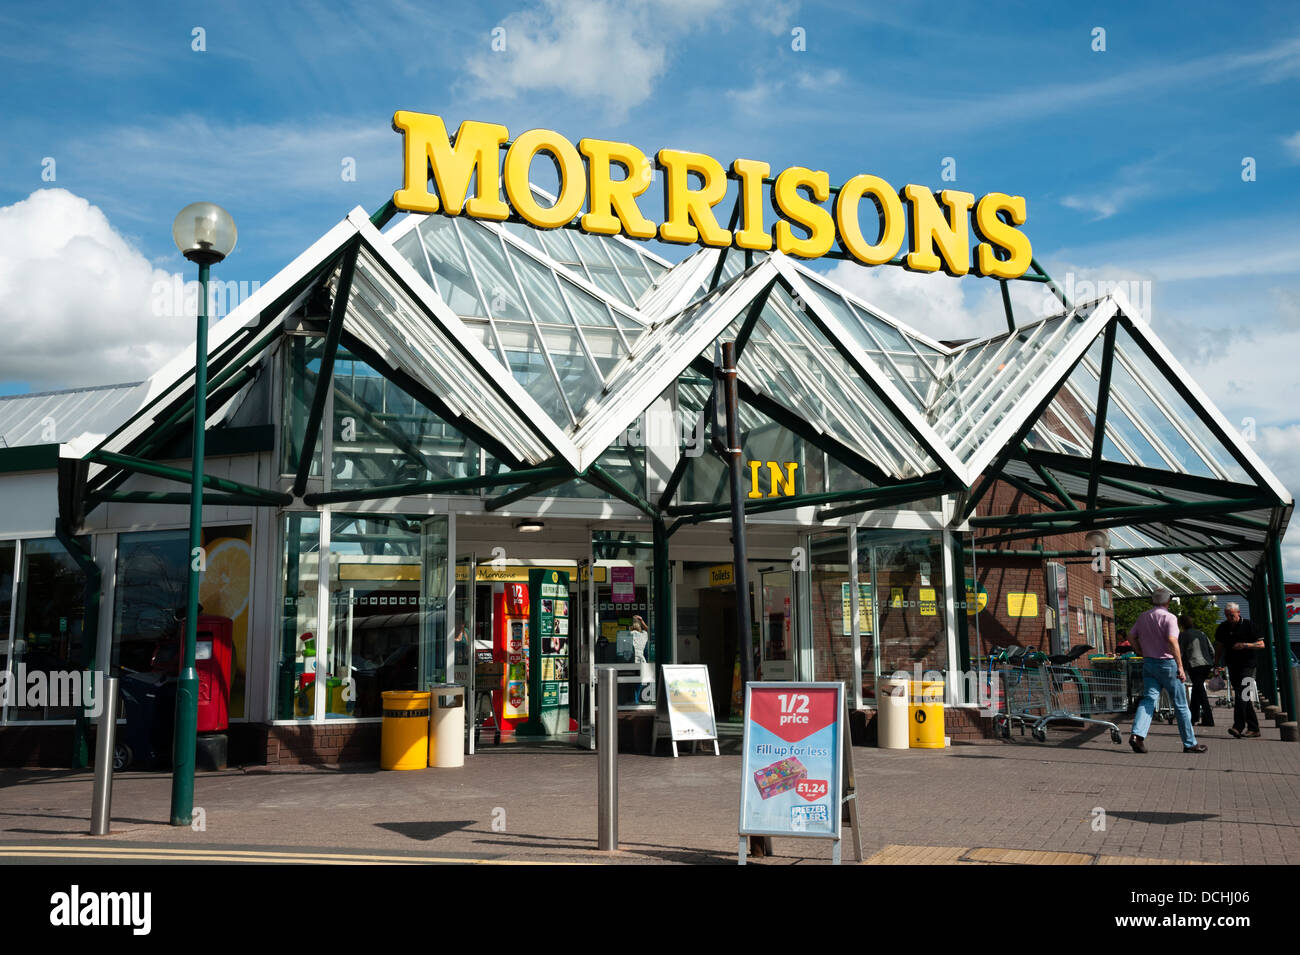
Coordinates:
<point>1243,712</point>
<point>1201,712</point>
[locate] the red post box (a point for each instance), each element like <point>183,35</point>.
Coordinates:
<point>213,656</point>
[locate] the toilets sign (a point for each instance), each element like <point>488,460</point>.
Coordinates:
<point>866,218</point>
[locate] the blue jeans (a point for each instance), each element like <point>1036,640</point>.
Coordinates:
<point>1160,675</point>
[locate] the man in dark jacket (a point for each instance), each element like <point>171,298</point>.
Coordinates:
<point>1198,657</point>
<point>1235,642</point>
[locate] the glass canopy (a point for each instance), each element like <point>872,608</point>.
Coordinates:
<point>544,347</point>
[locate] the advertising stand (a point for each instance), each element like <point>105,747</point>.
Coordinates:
<point>689,700</point>
<point>797,771</point>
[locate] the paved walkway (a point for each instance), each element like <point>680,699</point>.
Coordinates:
<point>1078,797</point>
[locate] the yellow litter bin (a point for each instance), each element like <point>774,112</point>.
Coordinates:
<point>925,714</point>
<point>404,742</point>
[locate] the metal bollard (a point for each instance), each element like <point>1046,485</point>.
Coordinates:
<point>607,758</point>
<point>101,805</point>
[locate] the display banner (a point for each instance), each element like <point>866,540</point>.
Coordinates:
<point>690,702</point>
<point>548,608</point>
<point>791,783</point>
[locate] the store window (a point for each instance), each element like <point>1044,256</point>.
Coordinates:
<point>48,634</point>
<point>152,588</point>
<point>8,558</point>
<point>384,626</point>
<point>906,571</point>
<point>388,609</point>
<point>295,693</point>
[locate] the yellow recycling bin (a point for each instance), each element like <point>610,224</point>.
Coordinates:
<point>404,742</point>
<point>925,714</point>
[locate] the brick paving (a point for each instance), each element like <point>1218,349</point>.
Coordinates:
<point>1000,802</point>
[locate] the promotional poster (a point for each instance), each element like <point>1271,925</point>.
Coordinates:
<point>791,782</point>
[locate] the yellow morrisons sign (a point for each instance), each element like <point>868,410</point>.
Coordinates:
<point>936,227</point>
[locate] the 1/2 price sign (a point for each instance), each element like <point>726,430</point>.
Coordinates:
<point>792,780</point>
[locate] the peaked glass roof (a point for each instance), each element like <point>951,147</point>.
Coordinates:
<point>548,345</point>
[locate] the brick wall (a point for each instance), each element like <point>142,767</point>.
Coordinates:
<point>1003,575</point>
<point>325,744</point>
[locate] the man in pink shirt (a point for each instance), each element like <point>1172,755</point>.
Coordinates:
<point>1156,635</point>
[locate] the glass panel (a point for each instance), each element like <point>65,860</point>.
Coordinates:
<point>505,301</point>
<point>301,369</point>
<point>454,282</point>
<point>777,626</point>
<point>624,618</point>
<point>832,611</point>
<point>387,581</point>
<point>907,572</point>
<point>48,637</point>
<point>8,552</point>
<point>152,585</point>
<point>382,317</point>
<point>1146,371</point>
<point>383,436</point>
<point>790,359</point>
<point>295,691</point>
<point>410,248</point>
<point>1142,404</point>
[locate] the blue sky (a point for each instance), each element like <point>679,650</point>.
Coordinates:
<point>1130,159</point>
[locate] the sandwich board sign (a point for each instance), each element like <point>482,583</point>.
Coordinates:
<point>689,699</point>
<point>797,773</point>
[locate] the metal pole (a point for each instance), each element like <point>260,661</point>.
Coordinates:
<point>101,803</point>
<point>607,758</point>
<point>744,635</point>
<point>1280,643</point>
<point>185,738</point>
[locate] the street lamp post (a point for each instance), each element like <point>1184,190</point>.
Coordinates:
<point>205,234</point>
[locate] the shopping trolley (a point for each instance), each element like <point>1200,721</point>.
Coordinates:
<point>1037,693</point>
<point>1016,684</point>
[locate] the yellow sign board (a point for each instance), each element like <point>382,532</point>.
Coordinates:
<point>929,605</point>
<point>606,178</point>
<point>722,575</point>
<point>1022,605</point>
<point>510,573</point>
<point>864,608</point>
<point>364,571</point>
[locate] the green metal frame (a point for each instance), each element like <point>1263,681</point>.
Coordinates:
<point>1281,641</point>
<point>325,377</point>
<point>474,483</point>
<point>153,468</point>
<point>1103,405</point>
<point>528,490</point>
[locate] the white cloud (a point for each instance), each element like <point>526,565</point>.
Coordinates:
<point>939,305</point>
<point>1292,144</point>
<point>1104,203</point>
<point>588,50</point>
<point>75,298</point>
<point>606,50</point>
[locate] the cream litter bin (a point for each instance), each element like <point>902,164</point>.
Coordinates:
<point>891,714</point>
<point>447,725</point>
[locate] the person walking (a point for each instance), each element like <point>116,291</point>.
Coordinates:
<point>1235,642</point>
<point>1198,658</point>
<point>1156,632</point>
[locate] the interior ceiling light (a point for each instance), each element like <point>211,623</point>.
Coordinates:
<point>529,527</point>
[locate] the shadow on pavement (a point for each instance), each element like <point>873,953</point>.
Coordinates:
<point>424,831</point>
<point>1163,818</point>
